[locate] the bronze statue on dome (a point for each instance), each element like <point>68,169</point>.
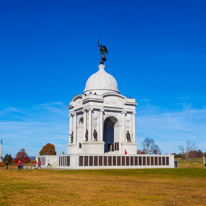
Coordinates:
<point>103,50</point>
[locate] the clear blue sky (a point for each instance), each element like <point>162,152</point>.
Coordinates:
<point>157,53</point>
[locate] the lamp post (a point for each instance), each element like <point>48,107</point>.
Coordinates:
<point>1,150</point>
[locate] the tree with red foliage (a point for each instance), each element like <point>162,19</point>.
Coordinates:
<point>144,151</point>
<point>48,149</point>
<point>22,155</point>
<point>195,154</point>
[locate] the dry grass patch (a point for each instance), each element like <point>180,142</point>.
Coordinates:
<point>103,187</point>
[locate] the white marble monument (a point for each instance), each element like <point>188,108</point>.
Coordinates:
<point>101,129</point>
<point>102,121</point>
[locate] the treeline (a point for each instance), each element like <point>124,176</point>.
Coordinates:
<point>191,154</point>
<point>48,149</point>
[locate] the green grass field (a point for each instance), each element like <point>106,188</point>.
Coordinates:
<point>178,186</point>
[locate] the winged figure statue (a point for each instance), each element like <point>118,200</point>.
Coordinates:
<point>103,50</point>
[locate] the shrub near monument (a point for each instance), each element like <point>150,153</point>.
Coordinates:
<point>48,149</point>
<point>22,155</point>
<point>8,158</point>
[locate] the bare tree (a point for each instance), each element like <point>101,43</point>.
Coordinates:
<point>150,146</point>
<point>156,149</point>
<point>185,149</point>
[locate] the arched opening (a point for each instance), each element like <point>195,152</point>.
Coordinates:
<point>109,134</point>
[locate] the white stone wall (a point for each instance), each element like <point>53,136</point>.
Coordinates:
<point>129,161</point>
<point>52,158</point>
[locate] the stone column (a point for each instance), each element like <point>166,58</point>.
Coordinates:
<point>133,126</point>
<point>123,127</point>
<point>101,125</point>
<point>75,128</point>
<point>70,127</point>
<point>90,125</point>
<point>85,123</point>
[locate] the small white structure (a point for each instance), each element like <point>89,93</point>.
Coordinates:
<point>102,130</point>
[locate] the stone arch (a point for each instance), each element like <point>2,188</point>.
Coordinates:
<point>110,133</point>
<point>115,115</point>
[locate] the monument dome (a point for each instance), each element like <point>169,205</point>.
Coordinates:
<point>101,82</point>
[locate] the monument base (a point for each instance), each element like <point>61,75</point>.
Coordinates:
<point>73,148</point>
<point>86,148</point>
<point>130,147</point>
<point>109,161</point>
<point>93,148</point>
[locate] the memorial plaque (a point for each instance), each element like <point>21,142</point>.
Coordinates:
<point>167,160</point>
<point>127,161</point>
<point>136,160</point>
<point>68,161</point>
<point>160,161</point>
<point>163,161</point>
<point>148,161</point>
<point>152,160</point>
<point>118,161</point>
<point>144,161</point>
<point>105,161</point>
<point>131,161</point>
<point>90,160</point>
<point>86,161</point>
<point>95,160</point>
<point>63,160</point>
<point>140,160</point>
<point>109,161</point>
<point>80,160</point>
<point>123,161</point>
<point>114,161</point>
<point>156,161</point>
<point>100,160</point>
<point>59,161</point>
<point>43,160</point>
